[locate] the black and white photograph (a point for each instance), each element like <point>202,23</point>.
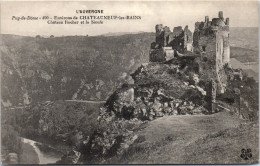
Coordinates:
<point>129,82</point>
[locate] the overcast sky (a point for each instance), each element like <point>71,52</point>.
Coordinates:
<point>241,14</point>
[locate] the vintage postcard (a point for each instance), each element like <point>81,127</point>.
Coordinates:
<point>129,82</point>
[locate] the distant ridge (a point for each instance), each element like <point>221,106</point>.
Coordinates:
<point>120,33</point>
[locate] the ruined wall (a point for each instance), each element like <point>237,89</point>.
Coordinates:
<point>169,53</point>
<point>177,31</point>
<point>167,33</point>
<point>188,39</point>
<point>219,48</point>
<point>162,35</point>
<point>156,52</point>
<point>179,40</point>
<point>157,55</point>
<point>159,34</point>
<point>226,44</point>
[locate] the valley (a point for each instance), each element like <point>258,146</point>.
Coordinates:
<point>98,96</point>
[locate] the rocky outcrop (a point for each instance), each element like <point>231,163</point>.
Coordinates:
<point>158,90</point>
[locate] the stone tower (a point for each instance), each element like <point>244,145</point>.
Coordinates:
<point>211,38</point>
<point>211,41</point>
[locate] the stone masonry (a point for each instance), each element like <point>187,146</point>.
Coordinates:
<point>211,38</point>
<point>168,44</point>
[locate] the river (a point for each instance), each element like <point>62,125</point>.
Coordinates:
<point>43,154</point>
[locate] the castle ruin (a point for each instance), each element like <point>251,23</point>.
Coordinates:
<point>168,44</point>
<point>211,43</point>
<point>208,45</point>
<point>210,39</point>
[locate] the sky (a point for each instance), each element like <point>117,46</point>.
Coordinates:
<point>170,13</point>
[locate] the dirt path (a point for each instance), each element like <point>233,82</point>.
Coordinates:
<point>87,101</point>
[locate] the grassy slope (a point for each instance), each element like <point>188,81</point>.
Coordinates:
<point>225,146</point>
<point>193,139</point>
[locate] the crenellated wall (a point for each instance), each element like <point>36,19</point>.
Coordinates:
<point>159,34</point>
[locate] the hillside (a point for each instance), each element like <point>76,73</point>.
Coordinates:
<point>54,122</point>
<point>88,68</point>
<point>84,68</point>
<point>120,33</point>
